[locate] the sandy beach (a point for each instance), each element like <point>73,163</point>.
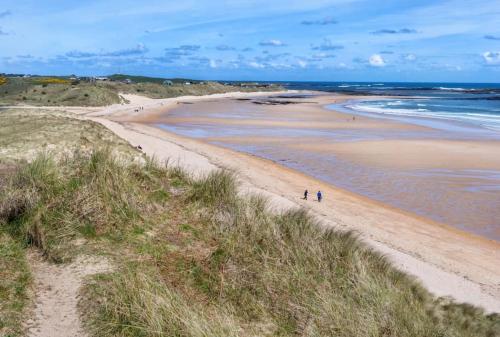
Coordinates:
<point>447,260</point>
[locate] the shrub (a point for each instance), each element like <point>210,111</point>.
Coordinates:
<point>51,80</point>
<point>216,189</point>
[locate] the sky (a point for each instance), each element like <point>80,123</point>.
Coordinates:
<point>281,40</point>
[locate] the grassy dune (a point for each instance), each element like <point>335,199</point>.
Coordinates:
<point>49,91</point>
<point>192,258</point>
<point>26,132</point>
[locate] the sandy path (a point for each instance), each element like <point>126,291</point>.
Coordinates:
<point>56,295</point>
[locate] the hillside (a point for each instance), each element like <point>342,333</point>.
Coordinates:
<point>64,91</point>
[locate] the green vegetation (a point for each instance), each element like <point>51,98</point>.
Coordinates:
<point>139,79</point>
<point>34,91</point>
<point>26,132</point>
<point>61,91</point>
<point>51,80</point>
<point>14,282</point>
<point>192,258</point>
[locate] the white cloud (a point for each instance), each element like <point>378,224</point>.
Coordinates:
<point>213,64</point>
<point>322,56</point>
<point>273,43</point>
<point>302,63</point>
<point>376,61</point>
<point>342,65</point>
<point>280,65</point>
<point>256,65</point>
<point>492,57</point>
<point>410,57</point>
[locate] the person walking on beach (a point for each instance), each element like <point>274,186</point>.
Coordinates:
<point>319,195</point>
<point>306,192</point>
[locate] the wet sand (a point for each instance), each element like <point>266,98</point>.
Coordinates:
<point>447,260</point>
<point>445,176</point>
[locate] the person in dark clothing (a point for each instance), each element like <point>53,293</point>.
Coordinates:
<point>319,195</point>
<point>306,192</point>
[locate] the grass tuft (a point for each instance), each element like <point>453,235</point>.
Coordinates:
<point>135,302</point>
<point>217,189</point>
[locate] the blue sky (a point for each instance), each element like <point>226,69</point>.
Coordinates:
<point>341,40</point>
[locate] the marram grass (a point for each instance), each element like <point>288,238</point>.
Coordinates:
<point>193,258</point>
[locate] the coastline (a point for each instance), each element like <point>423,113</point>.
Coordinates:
<point>444,176</point>
<point>448,261</point>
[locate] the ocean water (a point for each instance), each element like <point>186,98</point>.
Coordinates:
<point>465,196</point>
<point>470,105</point>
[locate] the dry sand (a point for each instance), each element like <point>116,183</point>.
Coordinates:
<point>56,295</point>
<point>447,261</point>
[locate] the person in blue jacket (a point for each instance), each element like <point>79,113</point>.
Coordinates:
<point>319,195</point>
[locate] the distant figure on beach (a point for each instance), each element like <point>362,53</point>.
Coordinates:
<point>306,192</point>
<point>139,147</point>
<point>319,195</point>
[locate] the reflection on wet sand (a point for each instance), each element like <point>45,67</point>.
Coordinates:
<point>447,175</point>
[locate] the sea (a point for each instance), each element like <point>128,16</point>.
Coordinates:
<point>471,105</point>
<point>464,196</point>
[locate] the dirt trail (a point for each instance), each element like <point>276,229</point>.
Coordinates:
<point>56,295</point>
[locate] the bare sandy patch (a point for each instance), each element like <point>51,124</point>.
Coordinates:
<point>56,295</point>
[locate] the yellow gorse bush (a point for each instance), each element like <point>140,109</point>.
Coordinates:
<point>3,80</point>
<point>52,80</point>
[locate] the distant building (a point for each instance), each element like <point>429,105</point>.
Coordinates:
<point>127,81</point>
<point>168,82</point>
<point>187,83</point>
